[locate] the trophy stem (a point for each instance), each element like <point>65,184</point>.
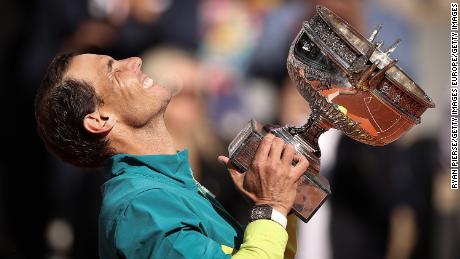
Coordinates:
<point>312,130</point>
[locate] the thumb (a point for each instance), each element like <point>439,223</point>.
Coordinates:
<point>226,161</point>
<point>223,159</point>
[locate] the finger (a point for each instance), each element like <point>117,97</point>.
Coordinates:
<point>288,154</point>
<point>223,159</point>
<point>264,147</point>
<point>276,149</point>
<point>226,161</point>
<point>300,167</point>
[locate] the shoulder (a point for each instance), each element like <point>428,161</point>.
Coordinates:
<point>133,183</point>
<point>133,190</point>
<point>132,195</point>
<point>136,192</point>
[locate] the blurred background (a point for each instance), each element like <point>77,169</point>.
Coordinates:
<point>391,202</point>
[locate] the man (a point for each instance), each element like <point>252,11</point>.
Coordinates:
<point>92,110</point>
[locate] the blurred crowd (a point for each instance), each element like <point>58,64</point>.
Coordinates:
<point>229,57</point>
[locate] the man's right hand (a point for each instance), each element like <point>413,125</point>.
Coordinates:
<point>271,178</point>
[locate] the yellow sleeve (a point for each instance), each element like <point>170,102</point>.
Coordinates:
<point>263,239</point>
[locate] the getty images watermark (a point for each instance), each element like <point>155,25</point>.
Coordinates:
<point>454,96</point>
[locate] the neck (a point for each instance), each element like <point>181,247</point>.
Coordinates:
<point>153,139</point>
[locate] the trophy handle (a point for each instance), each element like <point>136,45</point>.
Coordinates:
<point>312,188</point>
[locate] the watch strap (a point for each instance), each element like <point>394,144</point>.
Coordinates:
<point>279,218</point>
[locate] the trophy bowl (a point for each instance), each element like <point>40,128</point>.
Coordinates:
<point>352,85</point>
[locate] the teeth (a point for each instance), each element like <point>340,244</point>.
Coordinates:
<point>148,82</point>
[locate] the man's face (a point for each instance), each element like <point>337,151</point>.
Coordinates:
<point>127,92</point>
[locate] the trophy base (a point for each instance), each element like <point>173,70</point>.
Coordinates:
<point>312,189</point>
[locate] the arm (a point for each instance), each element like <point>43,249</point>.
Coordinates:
<point>156,225</point>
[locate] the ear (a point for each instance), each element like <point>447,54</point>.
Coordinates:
<point>98,123</point>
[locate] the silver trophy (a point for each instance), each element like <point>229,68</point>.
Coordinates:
<point>352,85</point>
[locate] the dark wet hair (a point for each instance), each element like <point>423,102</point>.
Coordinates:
<point>60,107</point>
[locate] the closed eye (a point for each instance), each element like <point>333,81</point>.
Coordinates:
<point>110,66</point>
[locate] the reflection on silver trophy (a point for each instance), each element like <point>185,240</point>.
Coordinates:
<point>352,85</point>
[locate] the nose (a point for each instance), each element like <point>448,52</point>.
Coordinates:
<point>132,63</point>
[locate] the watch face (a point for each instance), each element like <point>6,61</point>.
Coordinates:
<point>261,212</point>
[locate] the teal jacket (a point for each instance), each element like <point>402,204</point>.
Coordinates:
<point>152,207</point>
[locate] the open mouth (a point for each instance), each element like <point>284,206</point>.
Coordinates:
<point>147,82</point>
